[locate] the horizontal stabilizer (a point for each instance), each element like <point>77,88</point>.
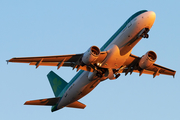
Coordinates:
<point>48,101</point>
<point>77,104</point>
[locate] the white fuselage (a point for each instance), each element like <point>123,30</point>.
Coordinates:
<point>82,85</point>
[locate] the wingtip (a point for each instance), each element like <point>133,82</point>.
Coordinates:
<point>7,61</point>
<point>174,74</point>
<point>27,103</point>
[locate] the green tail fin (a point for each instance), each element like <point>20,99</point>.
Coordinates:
<point>57,83</point>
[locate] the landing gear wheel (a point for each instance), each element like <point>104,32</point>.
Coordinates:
<point>99,74</point>
<point>146,36</point>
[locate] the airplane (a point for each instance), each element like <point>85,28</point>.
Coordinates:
<point>97,65</point>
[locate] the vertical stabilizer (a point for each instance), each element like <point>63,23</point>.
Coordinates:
<point>57,83</point>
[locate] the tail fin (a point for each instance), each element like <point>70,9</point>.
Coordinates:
<point>48,101</point>
<point>57,83</point>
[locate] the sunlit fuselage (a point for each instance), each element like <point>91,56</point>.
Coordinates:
<point>118,47</point>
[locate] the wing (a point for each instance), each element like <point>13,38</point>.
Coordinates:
<point>47,60</point>
<point>131,65</point>
<point>71,60</point>
<point>57,60</point>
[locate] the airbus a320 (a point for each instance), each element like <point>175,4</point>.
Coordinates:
<point>98,64</point>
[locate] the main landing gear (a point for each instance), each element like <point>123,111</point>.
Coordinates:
<point>107,73</point>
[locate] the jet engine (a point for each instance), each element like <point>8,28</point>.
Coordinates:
<point>91,55</point>
<point>147,60</point>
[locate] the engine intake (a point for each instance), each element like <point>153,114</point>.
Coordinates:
<point>91,55</point>
<point>147,60</point>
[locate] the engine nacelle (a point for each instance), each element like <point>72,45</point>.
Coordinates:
<point>91,55</point>
<point>147,60</point>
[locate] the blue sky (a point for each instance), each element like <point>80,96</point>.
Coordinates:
<point>39,28</point>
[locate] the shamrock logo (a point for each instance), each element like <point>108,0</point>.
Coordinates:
<point>56,84</point>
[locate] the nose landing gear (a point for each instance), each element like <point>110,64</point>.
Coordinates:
<point>145,35</point>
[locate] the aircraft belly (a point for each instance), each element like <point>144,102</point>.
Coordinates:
<point>114,60</point>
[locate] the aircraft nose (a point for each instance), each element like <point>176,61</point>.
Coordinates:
<point>152,15</point>
<point>151,18</point>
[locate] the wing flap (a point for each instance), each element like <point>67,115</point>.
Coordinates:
<point>146,72</point>
<point>71,60</point>
<point>45,63</point>
<point>86,68</point>
<point>163,70</point>
<point>57,58</point>
<point>157,69</point>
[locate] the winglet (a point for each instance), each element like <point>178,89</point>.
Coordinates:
<point>174,76</point>
<point>7,61</point>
